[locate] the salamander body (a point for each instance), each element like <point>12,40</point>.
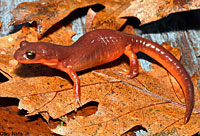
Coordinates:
<point>102,46</point>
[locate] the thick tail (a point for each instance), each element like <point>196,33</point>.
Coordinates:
<point>167,60</point>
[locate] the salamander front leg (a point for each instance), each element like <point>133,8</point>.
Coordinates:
<point>76,80</point>
<point>134,66</point>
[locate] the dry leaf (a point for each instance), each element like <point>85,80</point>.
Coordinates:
<point>13,121</point>
<point>153,99</point>
<point>89,18</point>
<point>61,36</point>
<point>121,103</point>
<point>145,11</point>
<point>48,13</point>
<point>148,10</point>
<point>9,45</point>
<point>109,18</point>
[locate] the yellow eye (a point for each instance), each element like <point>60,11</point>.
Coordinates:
<point>30,54</point>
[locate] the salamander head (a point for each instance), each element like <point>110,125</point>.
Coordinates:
<point>36,52</point>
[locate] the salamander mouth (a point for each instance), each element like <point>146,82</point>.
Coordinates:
<point>27,61</point>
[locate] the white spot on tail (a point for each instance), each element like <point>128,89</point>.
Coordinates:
<point>157,49</point>
<point>162,52</point>
<point>174,63</point>
<point>169,58</point>
<point>152,46</point>
<point>148,44</point>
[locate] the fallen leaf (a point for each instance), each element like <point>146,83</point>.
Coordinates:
<point>148,11</point>
<point>109,18</point>
<point>119,99</point>
<point>46,15</point>
<point>120,109</point>
<point>60,36</point>
<point>13,121</point>
<point>89,18</point>
<point>152,99</point>
<point>9,45</point>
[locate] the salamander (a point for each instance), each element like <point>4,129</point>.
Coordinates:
<point>101,46</point>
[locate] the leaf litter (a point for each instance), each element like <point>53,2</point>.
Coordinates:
<point>152,99</point>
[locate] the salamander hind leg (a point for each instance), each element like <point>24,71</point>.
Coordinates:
<point>134,66</point>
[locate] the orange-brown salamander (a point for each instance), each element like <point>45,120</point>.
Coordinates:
<point>102,46</point>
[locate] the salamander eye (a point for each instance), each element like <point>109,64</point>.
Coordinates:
<point>30,54</point>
